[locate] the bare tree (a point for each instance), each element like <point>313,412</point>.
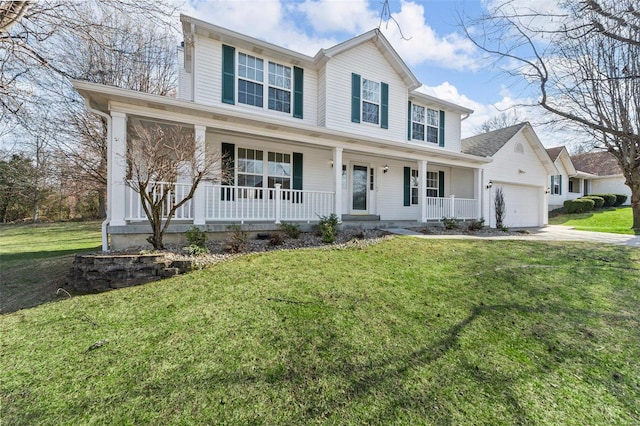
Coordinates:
<point>583,58</point>
<point>158,156</point>
<point>500,121</point>
<point>500,208</point>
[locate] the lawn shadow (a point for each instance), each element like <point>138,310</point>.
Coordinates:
<point>44,254</point>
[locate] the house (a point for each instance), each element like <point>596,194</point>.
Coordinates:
<point>569,183</point>
<point>346,131</point>
<point>605,174</point>
<point>520,167</point>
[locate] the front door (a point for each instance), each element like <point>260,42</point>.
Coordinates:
<point>359,201</point>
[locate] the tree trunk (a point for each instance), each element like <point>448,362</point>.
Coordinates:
<point>635,204</point>
<point>102,202</point>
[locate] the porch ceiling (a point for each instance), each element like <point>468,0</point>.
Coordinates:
<point>227,119</point>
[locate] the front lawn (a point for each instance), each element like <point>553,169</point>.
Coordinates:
<point>617,221</point>
<point>408,331</point>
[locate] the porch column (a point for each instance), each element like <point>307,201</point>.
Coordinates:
<point>117,170</point>
<point>199,216</point>
<point>337,179</point>
<point>422,190</point>
<point>478,179</point>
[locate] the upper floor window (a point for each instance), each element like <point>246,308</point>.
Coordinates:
<point>244,81</point>
<point>370,101</point>
<point>425,124</point>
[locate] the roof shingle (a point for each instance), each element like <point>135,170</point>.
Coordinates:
<point>487,144</point>
<point>597,163</point>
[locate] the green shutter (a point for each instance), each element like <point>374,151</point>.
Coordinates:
<point>297,177</point>
<point>407,186</point>
<point>384,105</point>
<point>228,74</point>
<point>560,184</point>
<point>441,138</point>
<point>441,183</point>
<point>298,79</point>
<point>228,168</point>
<point>409,122</point>
<point>355,98</point>
<point>553,181</point>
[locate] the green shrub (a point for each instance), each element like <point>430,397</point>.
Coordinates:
<point>609,199</point>
<point>291,229</point>
<point>194,250</point>
<point>476,225</point>
<point>598,201</point>
<point>581,205</point>
<point>276,239</point>
<point>236,242</point>
<point>196,237</point>
<point>328,226</point>
<point>620,199</point>
<point>450,223</point>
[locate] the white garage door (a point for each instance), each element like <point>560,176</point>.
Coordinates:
<point>523,205</point>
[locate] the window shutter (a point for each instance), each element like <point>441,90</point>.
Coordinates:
<point>441,183</point>
<point>384,105</point>
<point>356,89</point>
<point>228,74</point>
<point>297,176</point>
<point>553,188</point>
<point>441,138</point>
<point>559,184</point>
<point>298,79</point>
<point>409,122</point>
<point>407,186</point>
<point>228,168</point>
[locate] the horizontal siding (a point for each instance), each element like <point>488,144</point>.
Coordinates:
<point>611,186</point>
<point>208,90</point>
<point>184,78</point>
<point>322,98</point>
<point>367,61</point>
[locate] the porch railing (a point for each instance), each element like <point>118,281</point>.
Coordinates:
<point>451,207</point>
<point>225,203</point>
<point>177,192</point>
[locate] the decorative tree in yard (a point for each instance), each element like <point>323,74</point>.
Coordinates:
<point>583,59</point>
<point>500,207</point>
<point>158,155</point>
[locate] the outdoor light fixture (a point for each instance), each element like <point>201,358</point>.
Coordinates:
<point>548,191</point>
<point>331,162</point>
<point>385,168</point>
<point>490,184</point>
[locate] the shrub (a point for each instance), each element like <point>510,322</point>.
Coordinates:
<point>476,225</point>
<point>609,199</point>
<point>196,237</point>
<point>291,229</point>
<point>581,205</point>
<point>327,227</point>
<point>450,223</point>
<point>598,201</point>
<point>620,199</point>
<point>500,207</point>
<point>194,250</point>
<point>276,239</point>
<point>236,242</point>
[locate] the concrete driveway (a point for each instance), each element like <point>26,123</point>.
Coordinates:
<point>548,233</point>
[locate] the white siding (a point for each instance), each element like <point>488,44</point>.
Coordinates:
<point>452,131</point>
<point>367,61</point>
<point>557,200</point>
<point>461,183</point>
<point>322,96</point>
<point>208,83</point>
<point>184,78</point>
<point>612,185</point>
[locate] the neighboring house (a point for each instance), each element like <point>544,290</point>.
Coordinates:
<point>520,167</point>
<point>605,174</point>
<point>569,183</point>
<point>345,131</point>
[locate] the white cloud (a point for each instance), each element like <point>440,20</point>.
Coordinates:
<point>353,17</point>
<point>425,45</point>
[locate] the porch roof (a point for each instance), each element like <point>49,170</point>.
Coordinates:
<point>226,118</point>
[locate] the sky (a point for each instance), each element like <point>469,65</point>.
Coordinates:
<point>435,47</point>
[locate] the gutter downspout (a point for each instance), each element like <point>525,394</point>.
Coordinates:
<point>105,223</point>
<point>465,117</point>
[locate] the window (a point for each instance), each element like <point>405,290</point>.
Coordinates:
<point>370,101</point>
<point>279,170</point>
<point>414,186</point>
<point>432,125</point>
<point>250,78</point>
<point>556,185</point>
<point>279,87</point>
<point>417,122</point>
<point>425,124</point>
<point>432,184</point>
<point>250,171</point>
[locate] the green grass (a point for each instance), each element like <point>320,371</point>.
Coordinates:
<point>408,331</point>
<point>35,259</point>
<point>617,221</point>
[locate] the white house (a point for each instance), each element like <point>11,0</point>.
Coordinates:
<point>604,174</point>
<point>520,167</point>
<point>344,132</point>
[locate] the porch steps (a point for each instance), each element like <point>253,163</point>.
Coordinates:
<point>360,218</point>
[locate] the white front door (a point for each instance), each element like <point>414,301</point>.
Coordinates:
<point>359,189</point>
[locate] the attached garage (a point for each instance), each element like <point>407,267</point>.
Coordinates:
<point>522,205</point>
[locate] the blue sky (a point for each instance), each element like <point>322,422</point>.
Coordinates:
<point>437,51</point>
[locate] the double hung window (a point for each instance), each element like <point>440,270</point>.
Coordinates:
<point>279,87</point>
<point>425,124</point>
<point>370,101</point>
<point>432,184</point>
<point>250,80</point>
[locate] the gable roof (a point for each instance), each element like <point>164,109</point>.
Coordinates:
<point>381,42</point>
<point>487,144</point>
<point>560,154</point>
<point>554,152</point>
<point>597,163</point>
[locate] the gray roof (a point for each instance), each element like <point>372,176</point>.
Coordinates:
<point>554,152</point>
<point>487,144</point>
<point>597,163</point>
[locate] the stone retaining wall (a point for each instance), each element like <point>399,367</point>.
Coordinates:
<point>93,273</point>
